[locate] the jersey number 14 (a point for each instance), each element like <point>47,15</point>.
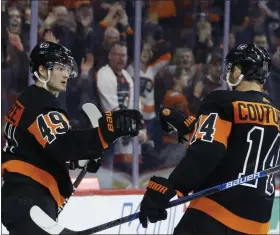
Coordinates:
<point>255,139</point>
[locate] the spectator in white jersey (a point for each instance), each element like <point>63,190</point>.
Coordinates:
<point>115,91</point>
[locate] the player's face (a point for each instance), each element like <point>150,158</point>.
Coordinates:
<point>59,77</point>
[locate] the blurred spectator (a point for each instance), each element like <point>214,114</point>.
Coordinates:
<point>14,20</point>
<point>164,14</point>
<point>214,13</point>
<point>273,83</point>
<point>204,43</point>
<point>271,9</point>
<point>211,75</point>
<point>147,74</point>
<point>15,26</point>
<point>85,35</point>
<point>220,47</point>
<point>14,59</point>
<point>161,10</point>
<point>113,28</point>
<point>255,22</point>
<point>243,8</point>
<point>111,36</point>
<point>174,97</point>
<point>61,23</point>
<point>183,58</point>
<point>64,29</point>
<point>21,5</point>
<point>194,95</point>
<point>80,90</point>
<point>115,85</point>
<point>115,91</point>
<point>172,152</point>
<point>43,11</point>
<point>260,40</point>
<point>231,41</point>
<point>15,73</point>
<point>155,55</point>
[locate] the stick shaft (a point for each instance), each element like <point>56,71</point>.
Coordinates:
<point>75,186</point>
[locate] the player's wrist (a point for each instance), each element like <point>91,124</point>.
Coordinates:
<point>106,129</point>
<point>172,119</point>
<point>104,143</point>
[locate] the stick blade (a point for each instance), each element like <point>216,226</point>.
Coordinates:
<point>92,113</point>
<point>40,218</point>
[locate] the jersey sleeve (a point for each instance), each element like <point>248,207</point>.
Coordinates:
<point>54,134</point>
<point>208,144</point>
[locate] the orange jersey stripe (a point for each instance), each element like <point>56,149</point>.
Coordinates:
<point>34,130</point>
<point>227,218</point>
<point>37,174</point>
<point>222,130</point>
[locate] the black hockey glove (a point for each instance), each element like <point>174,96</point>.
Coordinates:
<point>126,122</point>
<point>175,120</point>
<point>91,166</point>
<point>155,201</point>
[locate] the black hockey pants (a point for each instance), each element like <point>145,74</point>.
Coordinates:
<point>195,222</point>
<point>17,200</point>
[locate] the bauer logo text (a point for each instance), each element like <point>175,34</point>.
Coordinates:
<point>243,180</point>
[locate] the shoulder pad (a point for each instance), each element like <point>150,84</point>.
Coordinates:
<point>220,95</point>
<point>219,101</point>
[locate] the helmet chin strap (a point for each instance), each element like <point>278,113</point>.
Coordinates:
<point>45,85</point>
<point>231,85</point>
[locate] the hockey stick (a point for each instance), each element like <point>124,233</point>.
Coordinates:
<point>75,186</point>
<point>93,115</point>
<point>51,227</point>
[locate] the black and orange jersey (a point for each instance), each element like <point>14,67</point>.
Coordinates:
<point>237,134</point>
<point>39,142</point>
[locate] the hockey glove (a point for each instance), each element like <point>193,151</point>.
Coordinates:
<point>127,122</point>
<point>155,201</point>
<point>91,166</point>
<point>174,120</point>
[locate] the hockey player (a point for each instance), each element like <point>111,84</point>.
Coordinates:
<point>236,134</point>
<point>39,141</point>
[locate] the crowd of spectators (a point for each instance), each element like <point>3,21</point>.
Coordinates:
<point>181,58</point>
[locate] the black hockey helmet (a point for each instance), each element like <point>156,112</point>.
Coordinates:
<point>254,62</point>
<point>48,53</point>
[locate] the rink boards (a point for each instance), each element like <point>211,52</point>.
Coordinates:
<point>101,206</point>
